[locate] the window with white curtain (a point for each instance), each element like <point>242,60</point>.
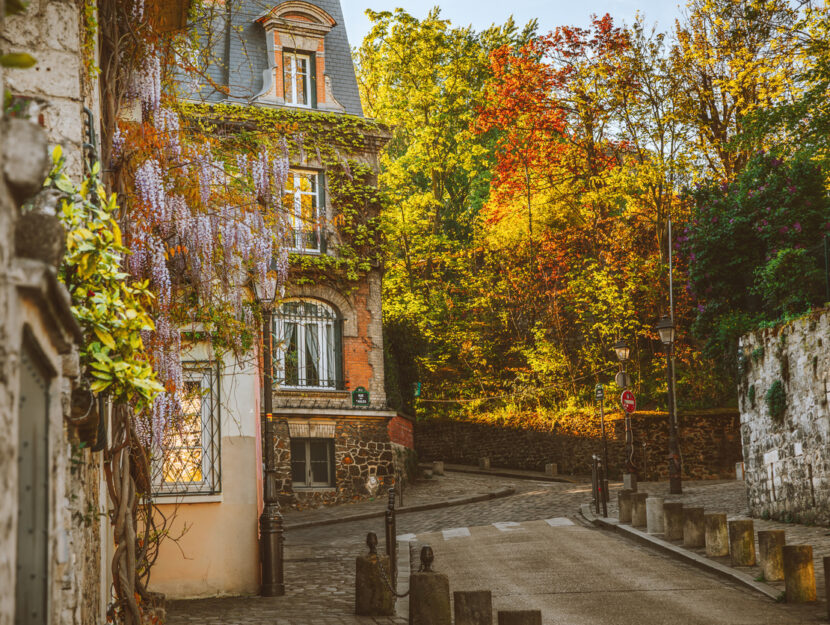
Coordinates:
<point>302,201</point>
<point>308,345</point>
<point>296,79</point>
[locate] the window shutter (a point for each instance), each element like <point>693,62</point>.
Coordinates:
<point>338,354</point>
<point>322,212</point>
<point>312,70</point>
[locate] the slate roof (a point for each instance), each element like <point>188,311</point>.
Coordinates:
<point>243,55</point>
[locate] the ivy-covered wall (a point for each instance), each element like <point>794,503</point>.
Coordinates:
<point>785,419</point>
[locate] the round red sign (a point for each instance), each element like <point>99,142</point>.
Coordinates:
<point>628,401</point>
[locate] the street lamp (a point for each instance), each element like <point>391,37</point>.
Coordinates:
<point>270,521</point>
<point>665,328</point>
<point>623,351</point>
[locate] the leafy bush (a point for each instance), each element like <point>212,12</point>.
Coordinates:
<point>789,282</point>
<point>776,401</point>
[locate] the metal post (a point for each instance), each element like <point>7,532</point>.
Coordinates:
<point>826,271</point>
<point>605,452</point>
<point>629,444</point>
<point>392,536</point>
<point>270,522</point>
<point>604,497</point>
<point>595,482</point>
<point>675,484</point>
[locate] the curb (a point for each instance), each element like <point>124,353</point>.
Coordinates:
<point>446,503</point>
<point>504,473</point>
<point>679,553</point>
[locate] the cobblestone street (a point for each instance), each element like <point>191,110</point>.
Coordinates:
<point>319,567</point>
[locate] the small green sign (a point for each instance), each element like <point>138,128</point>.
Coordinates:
<point>360,397</point>
<point>416,389</point>
<point>600,392</point>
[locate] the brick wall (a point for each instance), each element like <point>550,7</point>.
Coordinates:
<point>402,432</point>
<point>710,443</point>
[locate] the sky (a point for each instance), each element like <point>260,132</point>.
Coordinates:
<point>482,13</point>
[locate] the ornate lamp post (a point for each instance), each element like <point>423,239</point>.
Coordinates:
<point>270,521</point>
<point>665,328</point>
<point>622,350</point>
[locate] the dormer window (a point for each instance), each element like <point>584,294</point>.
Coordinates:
<point>295,37</point>
<point>296,79</point>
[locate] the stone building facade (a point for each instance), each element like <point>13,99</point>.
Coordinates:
<point>336,440</point>
<point>785,419</point>
<point>52,493</point>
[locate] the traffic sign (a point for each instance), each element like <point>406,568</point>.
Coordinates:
<point>599,392</point>
<point>622,379</point>
<point>628,401</point>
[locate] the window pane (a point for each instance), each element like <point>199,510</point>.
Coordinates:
<point>302,78</point>
<point>320,461</point>
<point>330,355</point>
<point>292,356</point>
<point>312,355</point>
<point>298,470</point>
<point>183,457</point>
<point>288,80</point>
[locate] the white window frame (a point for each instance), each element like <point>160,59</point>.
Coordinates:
<point>289,60</point>
<point>209,441</point>
<point>327,367</point>
<point>298,224</point>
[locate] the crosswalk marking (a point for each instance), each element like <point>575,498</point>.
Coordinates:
<point>406,538</point>
<point>559,522</point>
<point>509,526</point>
<point>456,532</point>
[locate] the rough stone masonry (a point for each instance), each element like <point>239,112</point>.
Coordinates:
<point>785,419</point>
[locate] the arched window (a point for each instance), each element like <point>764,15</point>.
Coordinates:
<point>309,353</point>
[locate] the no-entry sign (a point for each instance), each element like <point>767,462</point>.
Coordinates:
<point>628,401</point>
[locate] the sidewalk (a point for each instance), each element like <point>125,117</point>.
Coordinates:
<point>452,489</point>
<point>517,474</point>
<point>729,497</point>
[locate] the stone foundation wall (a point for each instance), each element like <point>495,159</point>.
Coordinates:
<point>359,445</point>
<point>710,443</point>
<point>786,434</point>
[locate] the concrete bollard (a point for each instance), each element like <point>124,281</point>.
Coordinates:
<point>826,562</point>
<point>630,481</point>
<point>717,535</point>
<point>372,596</point>
<point>484,463</point>
<point>799,574</point>
<point>654,515</point>
<point>638,509</point>
<point>742,542</point>
<point>624,505</point>
<point>429,594</point>
<point>673,520</point>
<point>438,467</point>
<point>694,529</point>
<point>739,471</point>
<point>473,607</point>
<point>771,554</point>
<point>551,468</point>
<point>520,617</point>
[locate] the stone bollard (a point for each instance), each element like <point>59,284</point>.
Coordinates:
<point>742,542</point>
<point>473,607</point>
<point>638,509</point>
<point>799,574</point>
<point>717,535</point>
<point>372,596</point>
<point>520,617</point>
<point>826,562</point>
<point>429,594</point>
<point>551,468</point>
<point>438,467</point>
<point>673,520</point>
<point>739,471</point>
<point>630,481</point>
<point>624,505</point>
<point>694,529</point>
<point>771,554</point>
<point>654,515</point>
<point>484,463</point>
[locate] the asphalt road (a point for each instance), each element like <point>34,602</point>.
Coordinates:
<point>581,576</point>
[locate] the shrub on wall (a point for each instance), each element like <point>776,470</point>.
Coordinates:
<point>776,401</point>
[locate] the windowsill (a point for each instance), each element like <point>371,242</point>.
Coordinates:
<point>309,252</point>
<point>178,498</point>
<point>310,389</point>
<point>315,489</point>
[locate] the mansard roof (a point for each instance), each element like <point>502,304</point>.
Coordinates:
<point>245,54</point>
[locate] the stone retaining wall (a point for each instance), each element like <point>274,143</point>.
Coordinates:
<point>785,419</point>
<point>710,443</point>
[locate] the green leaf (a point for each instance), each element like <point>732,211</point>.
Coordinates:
<point>18,60</point>
<point>13,7</point>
